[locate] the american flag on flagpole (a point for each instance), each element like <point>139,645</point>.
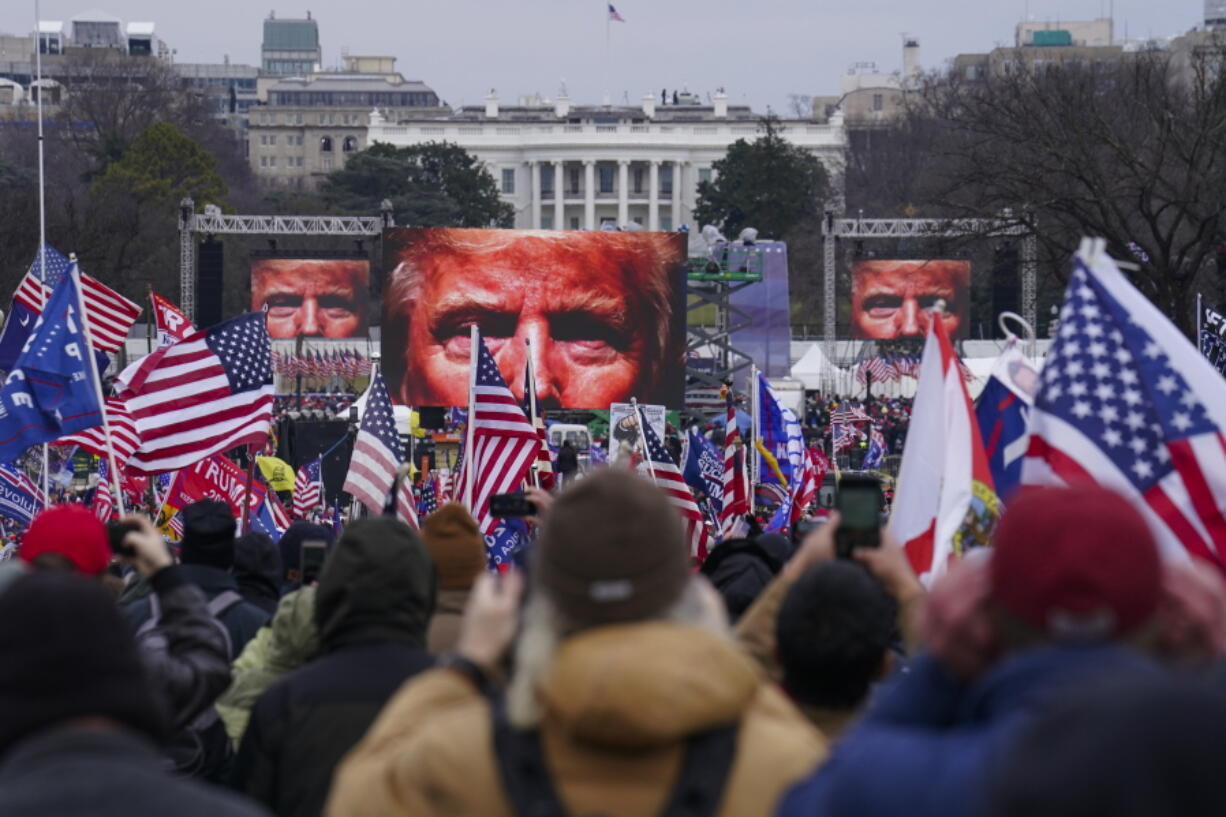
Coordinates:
<point>429,498</point>
<point>308,488</point>
<point>124,436</point>
<point>377,451</point>
<point>111,315</point>
<point>104,503</point>
<point>806,488</point>
<point>209,392</point>
<point>736,494</point>
<point>666,475</point>
<point>614,16</point>
<point>1127,402</point>
<point>406,504</point>
<point>504,442</point>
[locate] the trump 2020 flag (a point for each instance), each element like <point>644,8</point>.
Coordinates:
<point>51,390</point>
<point>1126,401</point>
<point>1003,413</point>
<point>704,469</point>
<point>28,303</point>
<point>945,503</point>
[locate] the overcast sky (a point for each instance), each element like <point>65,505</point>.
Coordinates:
<point>759,50</point>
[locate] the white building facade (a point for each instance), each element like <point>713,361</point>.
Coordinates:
<point>584,167</point>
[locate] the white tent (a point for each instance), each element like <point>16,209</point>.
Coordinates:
<point>812,367</point>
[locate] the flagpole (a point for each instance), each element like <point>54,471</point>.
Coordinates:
<point>642,418</point>
<point>247,488</point>
<point>474,338</point>
<point>607,36</point>
<point>755,470</point>
<point>75,271</point>
<point>531,395</point>
<point>42,210</point>
<point>1199,312</point>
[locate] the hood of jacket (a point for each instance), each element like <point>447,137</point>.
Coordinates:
<point>294,637</point>
<point>377,585</point>
<point>631,686</point>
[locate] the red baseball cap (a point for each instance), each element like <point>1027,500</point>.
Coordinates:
<point>73,532</point>
<point>1078,563</point>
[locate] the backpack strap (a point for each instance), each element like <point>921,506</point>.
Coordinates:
<point>155,615</point>
<point>697,792</point>
<point>218,605</point>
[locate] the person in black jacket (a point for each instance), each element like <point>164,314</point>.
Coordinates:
<point>79,723</point>
<point>567,464</point>
<point>207,559</point>
<point>372,607</point>
<point>258,570</point>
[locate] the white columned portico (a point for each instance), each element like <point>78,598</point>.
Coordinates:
<point>623,192</point>
<point>677,188</point>
<point>559,190</point>
<point>534,169</point>
<point>653,197</point>
<point>589,194</point>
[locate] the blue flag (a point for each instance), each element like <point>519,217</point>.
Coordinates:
<point>704,469</point>
<point>262,521</point>
<point>26,304</point>
<point>779,430</point>
<point>1003,412</point>
<point>51,391</point>
<point>506,546</point>
<point>19,497</point>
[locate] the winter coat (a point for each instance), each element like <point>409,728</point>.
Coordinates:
<point>445,625</point>
<point>75,772</point>
<point>188,661</point>
<point>374,599</point>
<point>928,745</point>
<point>288,641</point>
<point>241,621</point>
<point>619,703</point>
<point>740,569</point>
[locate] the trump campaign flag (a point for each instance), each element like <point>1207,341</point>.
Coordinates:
<point>28,302</point>
<point>704,469</point>
<point>20,498</point>
<point>210,392</point>
<point>1126,401</point>
<point>779,431</point>
<point>1003,412</point>
<point>945,502</point>
<point>51,390</point>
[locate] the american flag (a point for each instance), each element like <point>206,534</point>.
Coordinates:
<point>614,16</point>
<point>845,436</point>
<point>308,488</point>
<point>124,436</point>
<point>665,473</point>
<point>406,504</point>
<point>209,392</point>
<point>544,463</point>
<point>813,471</point>
<point>110,314</point>
<point>847,415</point>
<point>504,443</point>
<point>104,503</point>
<point>377,452</point>
<point>876,366</point>
<point>736,494</point>
<point>1126,401</point>
<point>429,498</point>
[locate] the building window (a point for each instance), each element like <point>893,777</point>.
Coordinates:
<point>704,174</point>
<point>638,180</point>
<point>350,144</point>
<point>666,223</point>
<point>606,179</point>
<point>272,161</point>
<point>547,181</point>
<point>878,102</point>
<point>574,183</point>
<point>666,180</point>
<point>325,163</point>
<point>325,144</point>
<point>574,222</point>
<point>546,221</point>
<point>508,180</point>
<point>263,161</point>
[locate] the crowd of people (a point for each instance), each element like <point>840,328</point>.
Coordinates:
<point>1070,669</point>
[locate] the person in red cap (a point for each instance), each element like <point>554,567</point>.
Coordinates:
<point>1074,591</point>
<point>66,537</point>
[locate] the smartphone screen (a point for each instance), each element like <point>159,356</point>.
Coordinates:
<point>313,554</point>
<point>859,503</point>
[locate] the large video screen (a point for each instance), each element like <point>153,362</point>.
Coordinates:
<point>893,299</point>
<point>313,297</point>
<point>602,314</point>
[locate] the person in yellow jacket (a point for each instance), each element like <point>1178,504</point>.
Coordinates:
<point>625,675</point>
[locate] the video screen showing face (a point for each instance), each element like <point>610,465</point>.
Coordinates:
<point>894,299</point>
<point>313,297</point>
<point>601,313</point>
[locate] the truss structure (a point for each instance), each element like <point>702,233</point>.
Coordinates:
<point>834,228</point>
<point>214,222</point>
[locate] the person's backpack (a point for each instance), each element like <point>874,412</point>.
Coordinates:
<point>697,792</point>
<point>201,749</point>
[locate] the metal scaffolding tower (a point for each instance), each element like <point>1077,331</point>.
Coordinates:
<point>834,228</point>
<point>214,222</point>
<point>713,281</point>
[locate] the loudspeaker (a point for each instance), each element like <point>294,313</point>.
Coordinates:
<point>431,417</point>
<point>209,283</point>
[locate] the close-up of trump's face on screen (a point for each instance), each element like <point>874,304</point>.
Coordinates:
<point>601,313</point>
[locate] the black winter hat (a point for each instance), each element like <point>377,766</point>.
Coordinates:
<point>68,654</point>
<point>208,534</point>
